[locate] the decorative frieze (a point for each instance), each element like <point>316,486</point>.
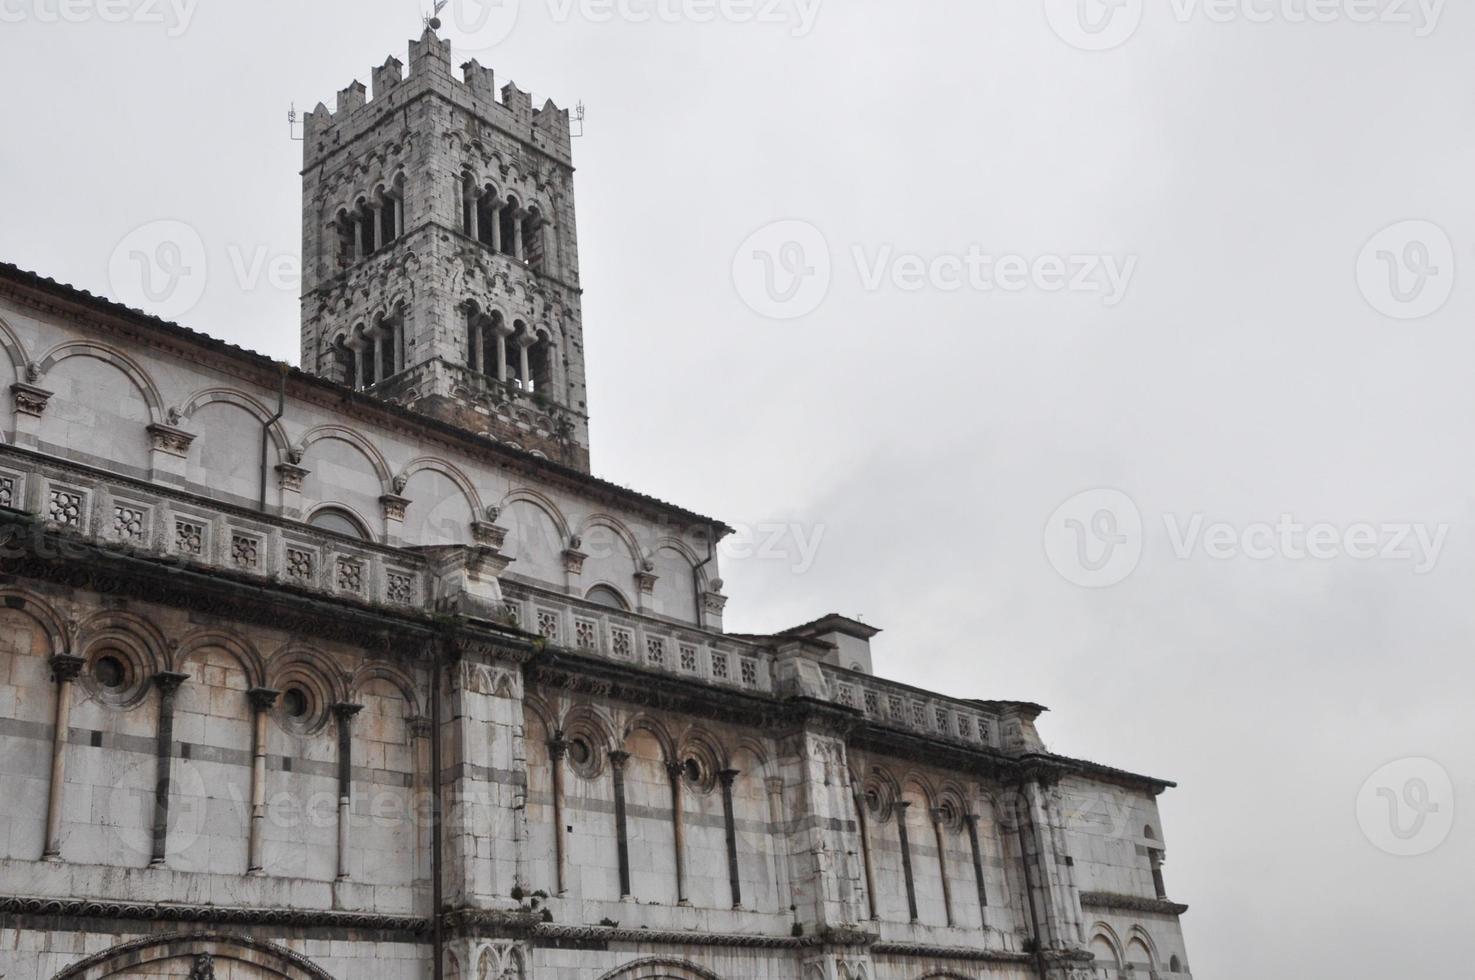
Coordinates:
<point>488,535</point>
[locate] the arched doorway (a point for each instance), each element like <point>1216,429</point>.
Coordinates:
<point>205,956</point>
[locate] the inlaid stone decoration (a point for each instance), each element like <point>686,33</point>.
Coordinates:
<point>622,643</point>
<point>688,658</point>
<point>127,523</point>
<point>655,651</point>
<point>245,552</point>
<point>719,666</point>
<point>586,634</point>
<point>399,588</point>
<point>7,491</point>
<point>189,537</point>
<point>299,565</point>
<point>350,575</point>
<point>65,508</point>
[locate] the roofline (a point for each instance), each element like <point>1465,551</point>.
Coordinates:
<point>26,279</point>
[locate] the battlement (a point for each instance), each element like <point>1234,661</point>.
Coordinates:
<point>510,108</point>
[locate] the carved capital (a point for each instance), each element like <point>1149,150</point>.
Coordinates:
<point>714,602</point>
<point>30,399</point>
<point>420,727</point>
<point>394,506</point>
<point>573,561</point>
<point>290,477</point>
<point>262,698</point>
<point>171,440</point>
<point>618,759</point>
<point>728,777</point>
<point>488,535</point>
<point>345,712</point>
<point>646,582</point>
<point>65,667</point>
<point>168,681</point>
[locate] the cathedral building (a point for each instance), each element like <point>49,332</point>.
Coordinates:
<point>355,671</point>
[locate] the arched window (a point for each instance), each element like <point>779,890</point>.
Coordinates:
<point>511,230</point>
<point>540,366</point>
<point>1155,857</point>
<point>603,595</point>
<point>1175,965</point>
<point>339,521</point>
<point>532,239</point>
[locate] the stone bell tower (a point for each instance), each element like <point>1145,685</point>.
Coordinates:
<point>440,257</point>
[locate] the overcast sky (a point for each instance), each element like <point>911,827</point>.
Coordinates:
<point>1231,271</point>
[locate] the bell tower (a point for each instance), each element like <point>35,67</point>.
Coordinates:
<point>440,257</point>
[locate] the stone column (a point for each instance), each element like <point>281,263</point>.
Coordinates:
<point>678,825</point>
<point>262,701</point>
<point>378,213</point>
<point>345,714</point>
<point>972,821</point>
<point>474,205</point>
<point>168,684</point>
<point>494,215</point>
<point>517,252</point>
<point>728,777</point>
<point>366,357</point>
<point>862,823</point>
<point>379,373</point>
<point>556,750</point>
<point>399,217</point>
<point>502,333</point>
<point>906,857</point>
<point>617,761</point>
<point>778,842</point>
<point>524,373</point>
<point>358,235</point>
<point>64,671</point>
<point>939,832</point>
<point>478,348</point>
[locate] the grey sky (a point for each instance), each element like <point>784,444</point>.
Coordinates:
<point>928,435</point>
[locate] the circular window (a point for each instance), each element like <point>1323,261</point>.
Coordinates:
<point>295,703</point>
<point>579,752</point>
<point>110,672</point>
<point>949,813</point>
<point>692,770</point>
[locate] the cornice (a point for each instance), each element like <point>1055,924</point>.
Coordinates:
<point>1131,903</point>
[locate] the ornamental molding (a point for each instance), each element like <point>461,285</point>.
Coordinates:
<point>1131,903</point>
<point>224,915</point>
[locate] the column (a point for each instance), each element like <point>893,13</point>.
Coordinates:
<point>473,205</point>
<point>778,834</point>
<point>358,235</point>
<point>168,684</point>
<point>478,345</point>
<point>365,357</point>
<point>262,701</point>
<point>947,889</point>
<point>517,235</point>
<point>64,671</point>
<point>863,822</point>
<point>617,761</point>
<point>399,217</point>
<point>494,215</point>
<point>501,356</point>
<point>972,821</point>
<point>673,769</point>
<point>345,714</point>
<point>378,213</point>
<point>906,857</point>
<point>556,749</point>
<point>524,374</point>
<point>728,777</point>
<point>379,373</point>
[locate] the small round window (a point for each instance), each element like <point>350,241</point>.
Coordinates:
<point>692,770</point>
<point>110,673</point>
<point>295,703</point>
<point>579,752</point>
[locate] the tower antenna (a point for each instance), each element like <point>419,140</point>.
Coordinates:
<point>432,20</point>
<point>579,118</point>
<point>292,124</point>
